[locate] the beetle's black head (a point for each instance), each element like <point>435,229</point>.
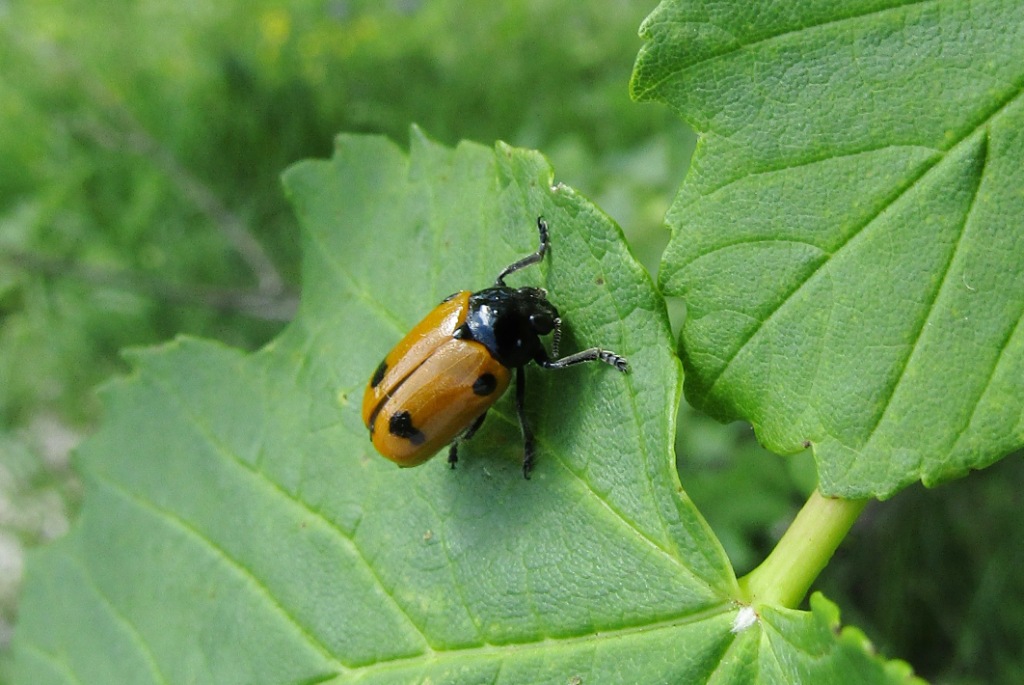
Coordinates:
<point>509,322</point>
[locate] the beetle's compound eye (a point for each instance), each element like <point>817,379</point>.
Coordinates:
<point>542,323</point>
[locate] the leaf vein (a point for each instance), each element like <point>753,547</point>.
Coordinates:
<point>55,661</point>
<point>645,453</point>
<point>1003,347</point>
<point>171,518</point>
<point>140,643</point>
<point>800,164</point>
<point>754,240</point>
<point>915,345</point>
<point>896,195</point>
<point>357,288</point>
<point>505,649</point>
<point>615,513</point>
<point>455,584</point>
<point>643,94</point>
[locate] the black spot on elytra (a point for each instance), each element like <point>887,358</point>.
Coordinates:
<point>378,375</point>
<point>400,425</point>
<point>485,384</point>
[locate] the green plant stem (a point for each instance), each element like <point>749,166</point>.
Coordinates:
<point>804,550</point>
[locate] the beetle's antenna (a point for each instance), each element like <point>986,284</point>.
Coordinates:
<point>542,227</point>
<point>556,339</point>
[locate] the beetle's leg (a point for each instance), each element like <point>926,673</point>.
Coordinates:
<point>533,258</point>
<point>453,451</point>
<point>594,354</point>
<point>471,431</point>
<point>528,449</point>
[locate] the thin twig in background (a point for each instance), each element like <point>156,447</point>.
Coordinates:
<point>236,231</point>
<point>126,133</point>
<point>279,306</point>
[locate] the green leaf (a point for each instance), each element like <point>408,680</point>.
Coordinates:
<point>801,647</point>
<point>848,240</point>
<point>238,528</point>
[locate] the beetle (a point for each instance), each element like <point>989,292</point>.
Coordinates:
<point>435,387</point>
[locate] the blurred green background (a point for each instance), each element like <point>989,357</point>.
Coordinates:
<point>140,150</point>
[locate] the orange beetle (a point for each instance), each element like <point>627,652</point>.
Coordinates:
<point>436,385</point>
